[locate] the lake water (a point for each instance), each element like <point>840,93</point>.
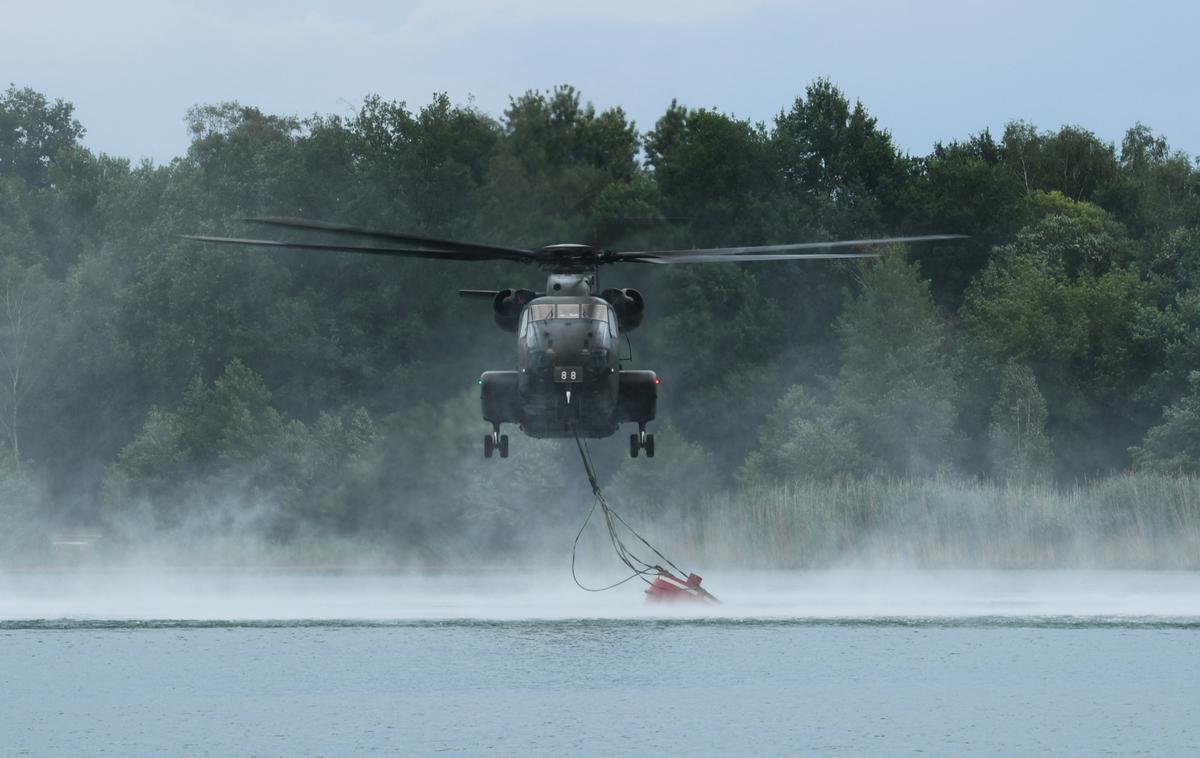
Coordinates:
<point>1063,663</point>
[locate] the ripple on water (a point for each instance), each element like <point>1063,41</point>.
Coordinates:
<point>931,622</point>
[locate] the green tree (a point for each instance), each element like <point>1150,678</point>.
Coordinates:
<point>1059,300</point>
<point>717,173</point>
<point>892,405</point>
<point>426,171</point>
<point>1019,445</point>
<point>556,158</point>
<point>227,434</point>
<point>1072,160</point>
<point>897,385</point>
<point>1175,265</point>
<point>18,238</point>
<point>1174,445</point>
<point>803,438</point>
<point>838,162</point>
<point>962,188</point>
<point>33,133</point>
<point>228,422</point>
<point>1155,187</point>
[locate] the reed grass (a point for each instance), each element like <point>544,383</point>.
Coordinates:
<point>1125,521</point>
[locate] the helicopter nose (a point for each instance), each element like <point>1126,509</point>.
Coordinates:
<point>571,336</point>
<point>574,344</point>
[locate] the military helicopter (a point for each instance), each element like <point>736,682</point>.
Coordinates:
<point>569,380</point>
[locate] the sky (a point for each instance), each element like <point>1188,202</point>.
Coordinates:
<point>932,70</point>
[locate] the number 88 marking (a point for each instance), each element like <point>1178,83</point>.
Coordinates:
<point>567,376</point>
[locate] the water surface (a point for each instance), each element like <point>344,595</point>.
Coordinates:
<point>849,662</point>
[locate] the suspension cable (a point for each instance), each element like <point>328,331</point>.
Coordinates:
<point>640,568</point>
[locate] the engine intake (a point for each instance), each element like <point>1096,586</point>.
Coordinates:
<point>629,305</point>
<point>507,306</point>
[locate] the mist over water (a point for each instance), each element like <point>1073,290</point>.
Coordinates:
<point>903,596</point>
<point>522,663</point>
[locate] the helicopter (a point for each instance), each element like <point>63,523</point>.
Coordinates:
<point>569,379</point>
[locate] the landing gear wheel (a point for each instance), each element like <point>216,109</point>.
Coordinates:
<point>633,446</point>
<point>503,445</point>
<point>488,445</point>
<point>649,445</point>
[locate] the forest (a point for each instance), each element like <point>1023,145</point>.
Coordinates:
<point>1029,395</point>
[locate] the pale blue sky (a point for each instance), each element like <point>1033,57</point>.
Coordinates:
<point>933,70</point>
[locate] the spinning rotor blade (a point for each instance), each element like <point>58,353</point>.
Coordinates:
<point>751,257</point>
<point>409,239</point>
<point>479,294</point>
<point>562,257</point>
<point>752,253</point>
<point>443,255</point>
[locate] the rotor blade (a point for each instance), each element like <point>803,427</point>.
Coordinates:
<point>479,294</point>
<point>750,258</point>
<point>359,231</point>
<point>443,255</point>
<point>742,251</point>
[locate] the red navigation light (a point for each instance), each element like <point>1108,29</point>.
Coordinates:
<point>657,380</point>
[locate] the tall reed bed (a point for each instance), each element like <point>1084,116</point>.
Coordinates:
<point>1126,521</point>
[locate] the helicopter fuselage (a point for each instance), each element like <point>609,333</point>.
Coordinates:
<point>569,380</point>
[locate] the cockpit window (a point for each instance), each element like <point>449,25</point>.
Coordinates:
<point>541,312</point>
<point>544,312</point>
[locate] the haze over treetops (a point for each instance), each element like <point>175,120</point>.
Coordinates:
<point>143,375</point>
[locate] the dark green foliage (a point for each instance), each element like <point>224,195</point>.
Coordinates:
<point>837,163</point>
<point>803,438</point>
<point>34,134</point>
<point>1072,160</point>
<point>716,177</point>
<point>1174,445</point>
<point>227,437</point>
<point>897,384</point>
<point>1155,189</point>
<point>1061,300</point>
<point>337,392</point>
<point>556,157</point>
<point>892,405</point>
<point>968,188</point>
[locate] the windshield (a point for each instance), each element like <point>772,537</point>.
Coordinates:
<point>544,312</point>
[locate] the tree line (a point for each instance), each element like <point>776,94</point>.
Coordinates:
<point>143,374</point>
